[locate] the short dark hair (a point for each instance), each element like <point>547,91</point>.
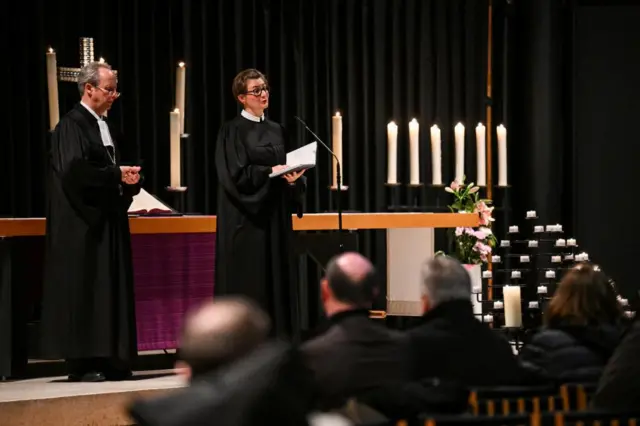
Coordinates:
<point>239,85</point>
<point>360,292</point>
<point>583,297</point>
<point>207,348</point>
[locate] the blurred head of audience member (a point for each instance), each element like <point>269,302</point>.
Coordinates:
<point>583,297</point>
<point>350,283</point>
<point>219,333</point>
<point>444,279</point>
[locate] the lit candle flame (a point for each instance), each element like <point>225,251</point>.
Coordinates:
<point>181,64</point>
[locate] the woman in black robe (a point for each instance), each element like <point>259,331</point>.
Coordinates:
<point>254,228</point>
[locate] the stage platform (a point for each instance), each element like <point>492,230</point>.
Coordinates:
<point>54,401</point>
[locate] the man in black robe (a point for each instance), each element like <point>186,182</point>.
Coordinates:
<point>88,302</point>
<point>254,228</point>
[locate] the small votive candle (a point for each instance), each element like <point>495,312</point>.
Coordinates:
<point>571,242</point>
<point>550,228</point>
<point>487,274</point>
<point>476,290</point>
<point>582,257</point>
<point>556,259</point>
<point>496,258</point>
<point>538,228</point>
<point>629,314</point>
<point>531,214</point>
<point>542,289</point>
<point>533,243</point>
<point>516,274</point>
<point>488,318</point>
<point>524,259</point>
<point>513,229</point>
<point>505,243</point>
<point>624,302</point>
<point>558,228</point>
<point>533,304</point>
<point>560,242</point>
<point>550,274</point>
<point>568,257</point>
<point>498,304</point>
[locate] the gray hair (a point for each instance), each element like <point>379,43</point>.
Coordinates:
<point>445,279</point>
<point>90,74</point>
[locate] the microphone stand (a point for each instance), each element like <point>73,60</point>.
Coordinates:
<point>338,181</point>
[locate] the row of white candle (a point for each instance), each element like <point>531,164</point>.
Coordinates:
<point>488,318</point>
<point>560,242</point>
<point>580,257</point>
<point>436,152</point>
<point>514,229</point>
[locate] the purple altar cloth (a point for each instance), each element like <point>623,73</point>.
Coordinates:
<point>172,273</point>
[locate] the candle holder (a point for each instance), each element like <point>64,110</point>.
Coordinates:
<point>435,194</point>
<point>393,195</point>
<point>415,197</point>
<point>177,197</point>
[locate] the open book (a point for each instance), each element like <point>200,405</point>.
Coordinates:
<point>146,204</point>
<point>299,159</point>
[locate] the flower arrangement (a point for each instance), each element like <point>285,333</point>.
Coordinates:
<point>472,245</point>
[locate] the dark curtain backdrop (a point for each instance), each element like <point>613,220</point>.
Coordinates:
<point>572,95</point>
<point>372,60</point>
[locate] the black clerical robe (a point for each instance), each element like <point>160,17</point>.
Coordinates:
<point>254,231</point>
<point>88,295</point>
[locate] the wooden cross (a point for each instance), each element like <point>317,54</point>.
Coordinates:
<point>70,74</point>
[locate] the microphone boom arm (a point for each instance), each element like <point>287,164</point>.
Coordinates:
<point>338,179</point>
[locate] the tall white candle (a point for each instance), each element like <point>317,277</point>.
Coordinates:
<point>436,155</point>
<point>502,155</point>
<point>174,131</point>
<point>459,138</point>
<point>481,157</point>
<point>336,122</point>
<point>52,85</point>
<point>512,306</point>
<point>414,152</point>
<point>181,83</point>
<point>392,157</point>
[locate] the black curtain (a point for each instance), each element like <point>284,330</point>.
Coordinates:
<point>571,88</point>
<point>374,61</point>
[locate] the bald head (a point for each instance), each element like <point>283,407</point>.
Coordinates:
<point>222,331</point>
<point>351,278</point>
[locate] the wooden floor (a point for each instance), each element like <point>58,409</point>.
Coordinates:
<point>54,401</point>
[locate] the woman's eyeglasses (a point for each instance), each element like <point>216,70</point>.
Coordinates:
<point>257,91</point>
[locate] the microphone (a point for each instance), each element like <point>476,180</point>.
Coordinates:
<point>338,179</point>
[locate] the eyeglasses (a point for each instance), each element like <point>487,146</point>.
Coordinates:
<point>257,91</point>
<point>111,93</point>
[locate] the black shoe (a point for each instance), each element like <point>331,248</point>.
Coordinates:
<point>118,374</point>
<point>91,377</point>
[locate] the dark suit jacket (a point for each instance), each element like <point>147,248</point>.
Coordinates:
<point>356,355</point>
<point>452,345</point>
<point>619,386</point>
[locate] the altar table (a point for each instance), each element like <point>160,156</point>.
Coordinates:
<point>174,257</point>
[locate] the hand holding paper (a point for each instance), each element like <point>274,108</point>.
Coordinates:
<point>292,177</point>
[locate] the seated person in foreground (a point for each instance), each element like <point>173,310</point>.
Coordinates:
<point>583,326</point>
<point>450,343</point>
<point>219,333</point>
<point>619,385</point>
<point>356,354</point>
<point>237,377</point>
